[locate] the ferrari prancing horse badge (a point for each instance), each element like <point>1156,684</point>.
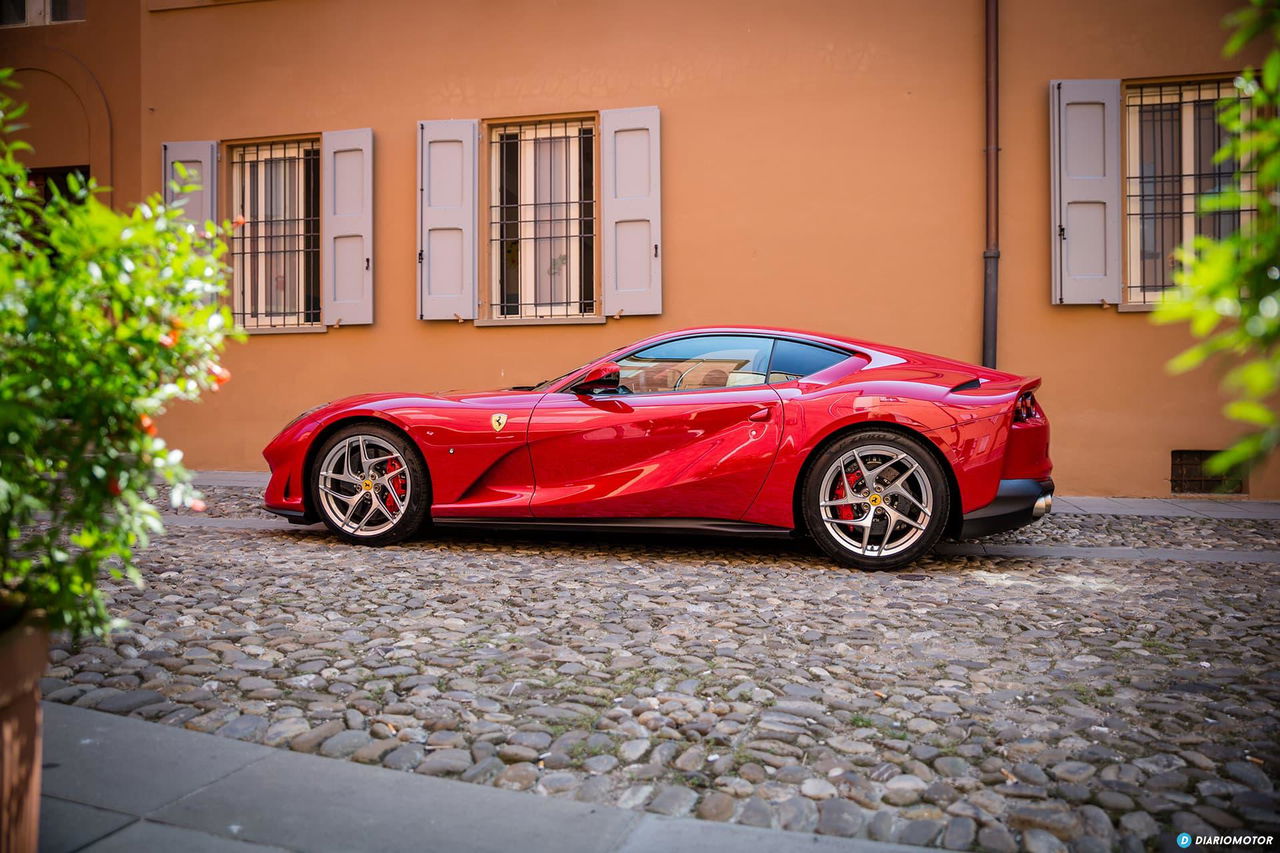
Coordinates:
<point>499,421</point>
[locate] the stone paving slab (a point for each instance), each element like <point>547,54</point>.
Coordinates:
<point>251,479</point>
<point>389,811</point>
<point>1203,508</point>
<point>1104,552</point>
<point>272,800</point>
<point>668,835</point>
<point>66,826</point>
<point>144,835</point>
<point>87,761</point>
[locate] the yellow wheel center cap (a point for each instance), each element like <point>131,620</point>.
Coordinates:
<point>874,499</point>
<point>367,485</point>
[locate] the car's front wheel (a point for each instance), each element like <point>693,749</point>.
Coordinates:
<point>369,485</point>
<point>876,500</point>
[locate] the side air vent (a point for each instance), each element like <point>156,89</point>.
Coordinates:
<point>1188,476</point>
<point>971,385</point>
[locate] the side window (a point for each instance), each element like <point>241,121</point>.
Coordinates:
<point>792,359</point>
<point>698,363</point>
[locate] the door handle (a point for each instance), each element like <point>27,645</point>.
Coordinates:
<point>761,414</point>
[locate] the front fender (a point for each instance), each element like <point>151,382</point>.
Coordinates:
<point>289,455</point>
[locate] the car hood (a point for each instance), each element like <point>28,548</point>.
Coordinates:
<point>394,399</point>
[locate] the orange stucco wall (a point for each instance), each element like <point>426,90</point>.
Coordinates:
<point>822,168</point>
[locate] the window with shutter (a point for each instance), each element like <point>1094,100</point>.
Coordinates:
<point>570,227</point>
<point>302,257</point>
<point>33,13</point>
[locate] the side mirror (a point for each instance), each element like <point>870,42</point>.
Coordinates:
<point>601,379</point>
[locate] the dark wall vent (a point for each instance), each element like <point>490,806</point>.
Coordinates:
<point>1188,476</point>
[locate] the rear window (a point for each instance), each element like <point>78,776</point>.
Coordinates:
<point>792,360</point>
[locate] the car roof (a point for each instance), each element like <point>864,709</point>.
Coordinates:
<point>839,341</point>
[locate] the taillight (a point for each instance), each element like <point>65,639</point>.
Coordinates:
<point>1026,409</point>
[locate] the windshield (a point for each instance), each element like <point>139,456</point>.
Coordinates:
<point>546,384</point>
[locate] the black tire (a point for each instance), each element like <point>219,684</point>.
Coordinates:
<point>417,508</point>
<point>915,541</point>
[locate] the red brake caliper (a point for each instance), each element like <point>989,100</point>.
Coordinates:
<point>845,511</point>
<point>396,483</point>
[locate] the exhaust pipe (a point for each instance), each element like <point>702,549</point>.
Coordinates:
<point>1044,505</point>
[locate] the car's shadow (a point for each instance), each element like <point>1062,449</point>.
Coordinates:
<point>658,545</point>
<point>782,551</point>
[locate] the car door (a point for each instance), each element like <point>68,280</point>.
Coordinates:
<point>691,434</point>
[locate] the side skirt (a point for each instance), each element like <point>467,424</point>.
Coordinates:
<point>623,525</point>
<point>294,516</point>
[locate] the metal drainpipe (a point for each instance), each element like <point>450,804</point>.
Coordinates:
<point>991,255</point>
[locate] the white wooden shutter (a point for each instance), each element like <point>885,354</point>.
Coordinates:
<point>1084,134</point>
<point>631,195</point>
<point>201,162</point>
<point>447,219</point>
<point>346,227</point>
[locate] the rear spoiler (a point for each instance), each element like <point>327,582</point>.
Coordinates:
<point>996,387</point>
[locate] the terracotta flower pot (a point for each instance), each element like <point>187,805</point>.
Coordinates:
<point>24,653</point>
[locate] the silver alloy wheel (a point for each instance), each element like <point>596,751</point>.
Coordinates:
<point>876,500</point>
<point>364,485</point>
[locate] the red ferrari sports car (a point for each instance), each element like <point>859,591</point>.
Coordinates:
<point>872,450</point>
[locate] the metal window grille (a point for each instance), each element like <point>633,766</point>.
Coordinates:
<point>542,219</point>
<point>1172,134</point>
<point>275,255</point>
<point>33,13</point>
<point>1188,475</point>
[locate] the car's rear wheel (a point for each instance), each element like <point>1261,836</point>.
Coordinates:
<point>876,500</point>
<point>369,485</point>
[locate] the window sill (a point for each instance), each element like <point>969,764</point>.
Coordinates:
<point>1136,307</point>
<point>542,321</point>
<point>166,5</point>
<point>286,330</point>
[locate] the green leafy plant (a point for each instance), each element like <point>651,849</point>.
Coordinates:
<point>106,317</point>
<point>1229,289</point>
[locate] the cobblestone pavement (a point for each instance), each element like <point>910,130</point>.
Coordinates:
<point>967,703</point>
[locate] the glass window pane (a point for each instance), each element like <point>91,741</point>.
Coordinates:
<point>1160,161</point>
<point>66,10</point>
<point>13,12</point>
<point>697,363</point>
<point>792,360</point>
<point>1213,177</point>
<point>508,223</point>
